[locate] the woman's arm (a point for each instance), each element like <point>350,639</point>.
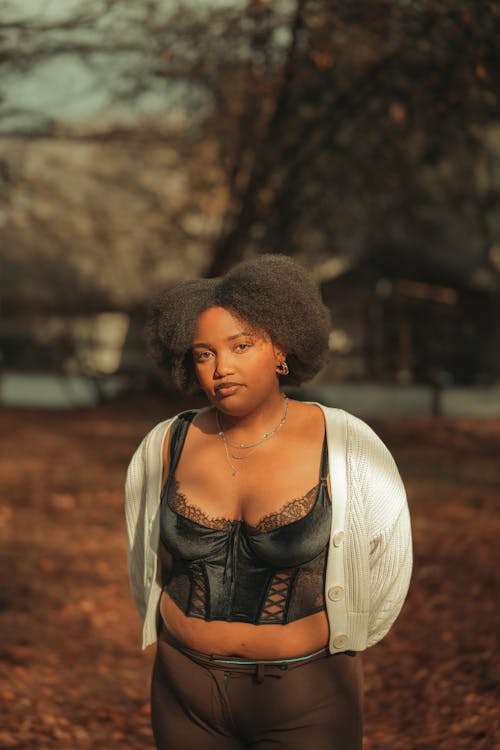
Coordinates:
<point>388,531</point>
<point>135,510</point>
<point>390,572</point>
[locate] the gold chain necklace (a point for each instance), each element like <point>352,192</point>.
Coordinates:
<point>252,447</point>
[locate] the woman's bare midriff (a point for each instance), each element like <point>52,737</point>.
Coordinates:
<point>297,638</point>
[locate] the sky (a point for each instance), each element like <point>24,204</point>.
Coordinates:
<point>56,10</point>
<point>68,86</point>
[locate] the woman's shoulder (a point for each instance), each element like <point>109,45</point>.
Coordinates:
<point>149,453</point>
<point>372,468</point>
<point>162,427</point>
<point>157,431</point>
<point>154,437</point>
<point>365,448</point>
<point>336,417</point>
<point>355,425</point>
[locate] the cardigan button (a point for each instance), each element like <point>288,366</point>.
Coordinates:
<point>340,641</point>
<point>335,593</point>
<point>338,538</point>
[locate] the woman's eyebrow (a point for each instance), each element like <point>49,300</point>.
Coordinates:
<point>229,338</point>
<point>201,344</point>
<point>237,335</point>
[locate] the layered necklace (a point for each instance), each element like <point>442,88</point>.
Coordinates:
<point>230,446</point>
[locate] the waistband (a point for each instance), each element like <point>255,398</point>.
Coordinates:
<point>257,667</point>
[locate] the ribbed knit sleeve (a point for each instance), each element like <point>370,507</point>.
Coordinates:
<point>390,572</point>
<point>387,527</point>
<point>135,505</point>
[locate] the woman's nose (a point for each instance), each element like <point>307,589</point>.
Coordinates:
<point>223,367</point>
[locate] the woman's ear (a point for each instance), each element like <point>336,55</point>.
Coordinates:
<point>279,355</point>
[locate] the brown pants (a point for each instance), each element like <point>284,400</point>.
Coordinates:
<point>316,704</point>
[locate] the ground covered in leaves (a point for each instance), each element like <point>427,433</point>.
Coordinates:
<point>71,671</point>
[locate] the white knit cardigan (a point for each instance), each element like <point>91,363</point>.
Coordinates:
<point>370,552</point>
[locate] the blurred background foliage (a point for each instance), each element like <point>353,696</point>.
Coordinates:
<point>145,143</point>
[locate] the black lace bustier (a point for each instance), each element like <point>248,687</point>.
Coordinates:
<point>272,573</point>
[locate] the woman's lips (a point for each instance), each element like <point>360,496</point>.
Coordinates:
<point>222,391</point>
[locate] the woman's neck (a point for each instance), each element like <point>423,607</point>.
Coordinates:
<point>255,424</point>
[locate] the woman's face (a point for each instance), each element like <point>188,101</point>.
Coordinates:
<point>235,364</point>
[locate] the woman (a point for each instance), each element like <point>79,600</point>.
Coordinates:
<point>269,539</point>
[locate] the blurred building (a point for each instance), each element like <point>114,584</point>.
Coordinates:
<point>394,329</point>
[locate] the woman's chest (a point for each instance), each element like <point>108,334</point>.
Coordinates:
<point>275,483</point>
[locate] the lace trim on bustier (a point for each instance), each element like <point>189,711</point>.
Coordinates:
<point>292,511</point>
<point>179,504</point>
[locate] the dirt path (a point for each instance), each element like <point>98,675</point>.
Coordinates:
<point>71,671</point>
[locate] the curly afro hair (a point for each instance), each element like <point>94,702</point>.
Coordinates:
<point>272,293</point>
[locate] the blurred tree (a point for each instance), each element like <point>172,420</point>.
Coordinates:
<point>145,142</point>
<point>384,141</point>
<point>117,164</point>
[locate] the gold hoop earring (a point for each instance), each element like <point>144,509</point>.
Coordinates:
<point>282,368</point>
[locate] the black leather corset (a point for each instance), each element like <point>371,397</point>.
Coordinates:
<point>228,570</point>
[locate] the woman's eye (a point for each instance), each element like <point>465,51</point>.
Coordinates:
<point>242,347</point>
<point>202,356</point>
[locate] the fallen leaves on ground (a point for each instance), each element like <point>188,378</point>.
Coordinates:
<point>72,674</point>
